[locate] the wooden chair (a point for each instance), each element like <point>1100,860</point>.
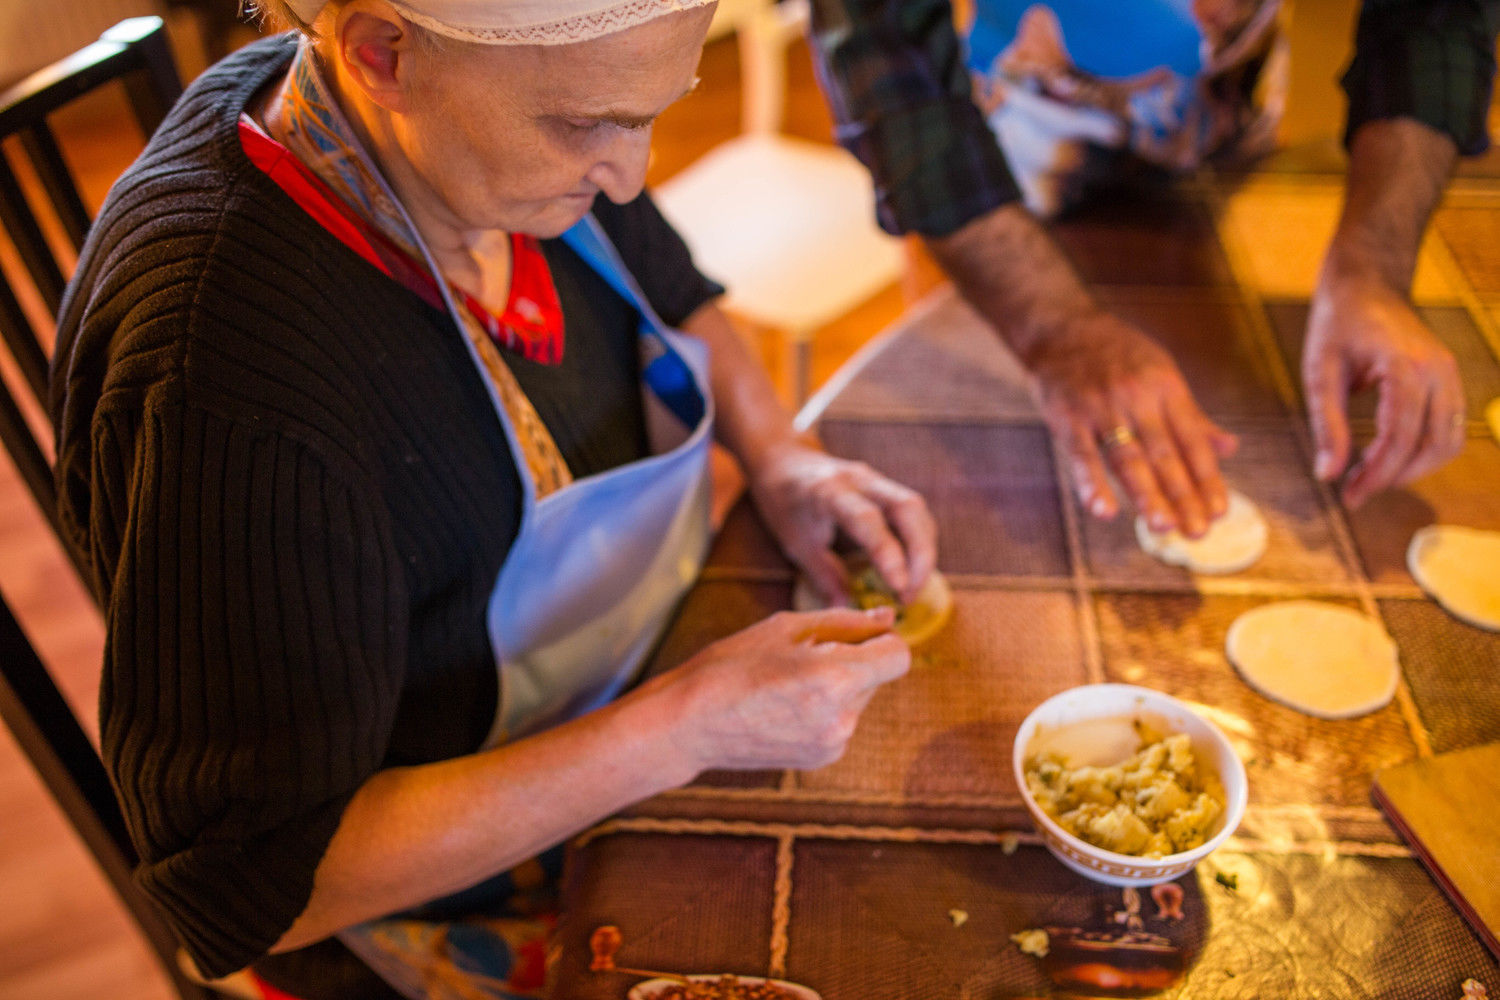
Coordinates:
<point>49,734</point>
<point>134,53</point>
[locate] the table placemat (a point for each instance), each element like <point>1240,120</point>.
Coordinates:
<point>902,870</point>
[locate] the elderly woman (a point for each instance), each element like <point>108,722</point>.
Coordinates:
<point>391,466</point>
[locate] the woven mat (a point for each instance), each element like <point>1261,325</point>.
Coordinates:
<point>901,870</point>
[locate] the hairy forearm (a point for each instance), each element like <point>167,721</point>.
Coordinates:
<point>1397,171</point>
<point>1008,267</point>
<point>750,419</point>
<point>413,834</point>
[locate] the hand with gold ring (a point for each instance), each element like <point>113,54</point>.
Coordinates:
<point>1123,415</point>
<point>1116,436</point>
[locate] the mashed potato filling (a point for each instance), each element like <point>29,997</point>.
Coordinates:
<point>1156,802</point>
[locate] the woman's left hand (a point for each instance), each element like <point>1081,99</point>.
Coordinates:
<point>807,496</point>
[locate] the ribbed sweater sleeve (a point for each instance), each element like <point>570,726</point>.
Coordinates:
<point>257,643</point>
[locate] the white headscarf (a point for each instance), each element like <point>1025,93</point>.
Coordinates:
<point>522,22</point>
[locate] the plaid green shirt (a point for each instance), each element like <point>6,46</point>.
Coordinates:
<point>895,77</point>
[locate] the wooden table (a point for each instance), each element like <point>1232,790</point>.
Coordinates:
<point>888,874</point>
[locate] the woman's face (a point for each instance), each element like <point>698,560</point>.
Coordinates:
<point>522,138</point>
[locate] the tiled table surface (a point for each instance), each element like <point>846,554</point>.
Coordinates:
<point>844,878</point>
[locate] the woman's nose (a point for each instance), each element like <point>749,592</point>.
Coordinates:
<point>621,172</point>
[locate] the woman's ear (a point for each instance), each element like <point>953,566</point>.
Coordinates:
<point>375,45</point>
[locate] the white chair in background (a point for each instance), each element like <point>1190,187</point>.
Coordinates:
<point>788,225</point>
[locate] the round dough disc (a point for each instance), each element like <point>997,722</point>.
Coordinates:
<point>919,621</point>
<point>1234,541</point>
<point>1322,659</point>
<point>1460,569</point>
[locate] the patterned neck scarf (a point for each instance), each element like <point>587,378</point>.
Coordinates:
<point>315,132</point>
<point>313,128</point>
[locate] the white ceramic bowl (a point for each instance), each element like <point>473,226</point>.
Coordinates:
<point>653,988</point>
<point>1093,725</point>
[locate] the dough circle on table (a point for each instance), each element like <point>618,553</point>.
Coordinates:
<point>1321,659</point>
<point>1460,569</point>
<point>1234,541</point>
<point>917,622</point>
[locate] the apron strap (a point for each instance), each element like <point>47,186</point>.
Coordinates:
<point>664,370</point>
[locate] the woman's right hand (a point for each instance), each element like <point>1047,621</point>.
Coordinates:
<point>786,692</point>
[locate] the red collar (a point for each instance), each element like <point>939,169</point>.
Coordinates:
<point>532,323</point>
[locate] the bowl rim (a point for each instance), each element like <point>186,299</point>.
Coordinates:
<point>1234,806</point>
<point>801,992</point>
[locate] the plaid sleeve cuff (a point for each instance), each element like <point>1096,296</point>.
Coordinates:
<point>936,166</point>
<point>1433,61</point>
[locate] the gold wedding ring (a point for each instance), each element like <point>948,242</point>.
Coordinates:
<point>1117,436</point>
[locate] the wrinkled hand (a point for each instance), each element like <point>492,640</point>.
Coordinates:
<point>1362,334</point>
<point>787,692</point>
<point>1100,375</point>
<point>806,496</point>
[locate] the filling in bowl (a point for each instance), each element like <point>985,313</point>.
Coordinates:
<point>1158,801</point>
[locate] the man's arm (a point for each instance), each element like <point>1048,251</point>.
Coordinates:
<point>895,78</point>
<point>1419,92</point>
<point>1362,330</point>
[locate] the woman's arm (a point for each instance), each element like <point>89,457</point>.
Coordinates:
<point>806,495</point>
<point>783,693</point>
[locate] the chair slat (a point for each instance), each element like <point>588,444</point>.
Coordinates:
<point>27,236</point>
<point>47,160</point>
<point>19,336</point>
<point>154,89</point>
<point>26,453</point>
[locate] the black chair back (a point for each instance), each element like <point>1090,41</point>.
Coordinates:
<point>135,53</point>
<point>50,736</point>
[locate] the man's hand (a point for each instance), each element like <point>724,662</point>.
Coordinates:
<point>1116,403</point>
<point>1362,330</point>
<point>1111,395</point>
<point>807,497</point>
<point>1362,334</point>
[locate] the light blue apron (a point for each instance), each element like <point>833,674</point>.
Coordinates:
<point>598,566</point>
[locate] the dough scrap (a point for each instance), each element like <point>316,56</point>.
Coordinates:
<point>1460,569</point>
<point>1322,659</point>
<point>1233,542</point>
<point>919,621</point>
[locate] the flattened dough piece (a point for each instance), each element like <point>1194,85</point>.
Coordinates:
<point>1321,659</point>
<point>917,622</point>
<point>1234,542</point>
<point>1460,569</point>
<point>1492,414</point>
